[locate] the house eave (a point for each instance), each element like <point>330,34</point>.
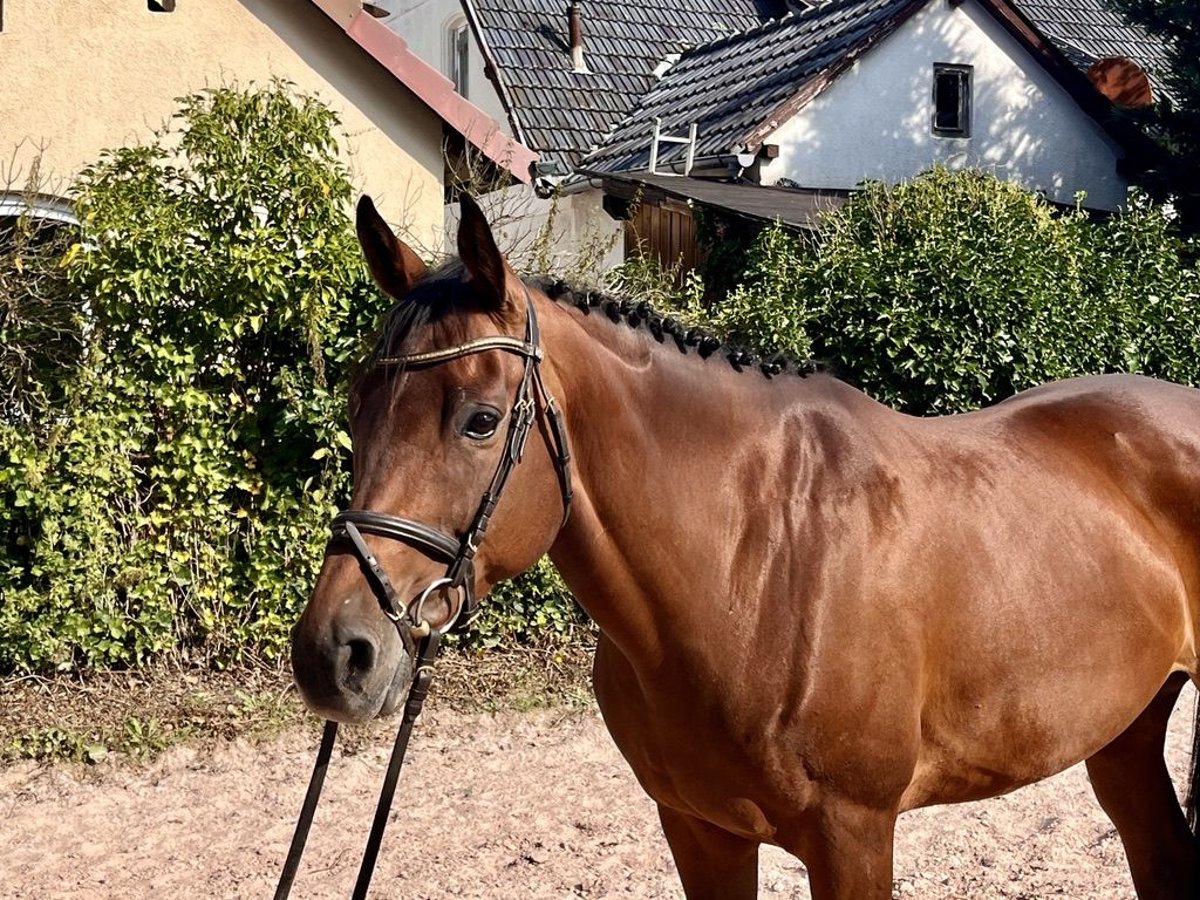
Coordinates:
<point>430,86</point>
<point>1075,82</point>
<point>799,209</point>
<point>492,70</point>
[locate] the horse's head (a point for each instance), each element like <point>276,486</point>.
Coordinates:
<point>434,416</point>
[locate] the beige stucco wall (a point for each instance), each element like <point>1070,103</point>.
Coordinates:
<point>79,77</point>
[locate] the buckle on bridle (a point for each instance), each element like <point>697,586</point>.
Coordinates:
<point>524,412</point>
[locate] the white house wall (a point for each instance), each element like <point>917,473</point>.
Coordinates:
<point>425,25</point>
<point>569,235</point>
<point>874,122</point>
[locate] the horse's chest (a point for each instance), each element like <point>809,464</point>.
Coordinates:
<point>691,759</point>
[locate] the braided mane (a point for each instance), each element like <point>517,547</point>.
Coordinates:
<point>641,315</point>
<point>440,294</point>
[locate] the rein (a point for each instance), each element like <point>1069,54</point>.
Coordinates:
<point>420,639</point>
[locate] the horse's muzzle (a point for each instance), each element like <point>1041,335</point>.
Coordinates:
<point>352,670</point>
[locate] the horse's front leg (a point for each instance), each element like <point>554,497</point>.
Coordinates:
<point>713,864</point>
<point>847,849</point>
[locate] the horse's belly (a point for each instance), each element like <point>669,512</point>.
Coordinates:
<point>1032,712</point>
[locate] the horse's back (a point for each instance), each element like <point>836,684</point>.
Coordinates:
<point>1136,436</point>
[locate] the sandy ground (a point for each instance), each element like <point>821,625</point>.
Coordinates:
<point>535,805</point>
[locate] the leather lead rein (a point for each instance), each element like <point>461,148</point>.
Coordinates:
<point>420,640</point>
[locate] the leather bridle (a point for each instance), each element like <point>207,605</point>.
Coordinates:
<point>459,553</point>
<point>421,640</point>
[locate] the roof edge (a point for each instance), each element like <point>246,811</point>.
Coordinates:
<point>430,86</point>
<point>1075,82</point>
<point>489,62</point>
<point>51,207</point>
<point>653,188</point>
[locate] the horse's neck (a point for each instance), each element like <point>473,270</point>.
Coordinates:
<point>668,449</point>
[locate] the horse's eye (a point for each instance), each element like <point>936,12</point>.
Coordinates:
<point>482,425</point>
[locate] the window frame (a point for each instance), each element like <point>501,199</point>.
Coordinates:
<point>966,75</point>
<point>459,53</point>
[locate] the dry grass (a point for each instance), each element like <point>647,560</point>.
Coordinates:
<point>135,715</point>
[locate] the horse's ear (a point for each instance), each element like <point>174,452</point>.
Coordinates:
<point>481,257</point>
<point>393,264</point>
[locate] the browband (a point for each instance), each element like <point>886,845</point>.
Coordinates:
<point>433,357</point>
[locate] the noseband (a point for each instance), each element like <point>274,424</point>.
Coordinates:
<point>420,639</point>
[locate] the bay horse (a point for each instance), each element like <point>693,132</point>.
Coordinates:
<point>815,612</point>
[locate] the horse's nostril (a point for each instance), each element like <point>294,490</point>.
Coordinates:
<point>361,660</point>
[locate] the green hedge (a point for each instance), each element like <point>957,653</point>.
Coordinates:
<point>173,492</point>
<point>956,290</point>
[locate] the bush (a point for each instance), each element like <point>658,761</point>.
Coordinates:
<point>180,498</point>
<point>533,608</point>
<point>956,290</point>
<point>175,498</point>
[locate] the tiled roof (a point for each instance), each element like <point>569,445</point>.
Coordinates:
<point>739,69</point>
<point>1088,30</point>
<point>732,86</point>
<point>563,114</point>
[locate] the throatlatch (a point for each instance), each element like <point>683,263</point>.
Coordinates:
<point>420,639</point>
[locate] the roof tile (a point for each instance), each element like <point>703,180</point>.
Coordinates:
<point>1087,31</point>
<point>623,43</point>
<point>729,86</point>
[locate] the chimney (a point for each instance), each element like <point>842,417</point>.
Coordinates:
<point>575,35</point>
